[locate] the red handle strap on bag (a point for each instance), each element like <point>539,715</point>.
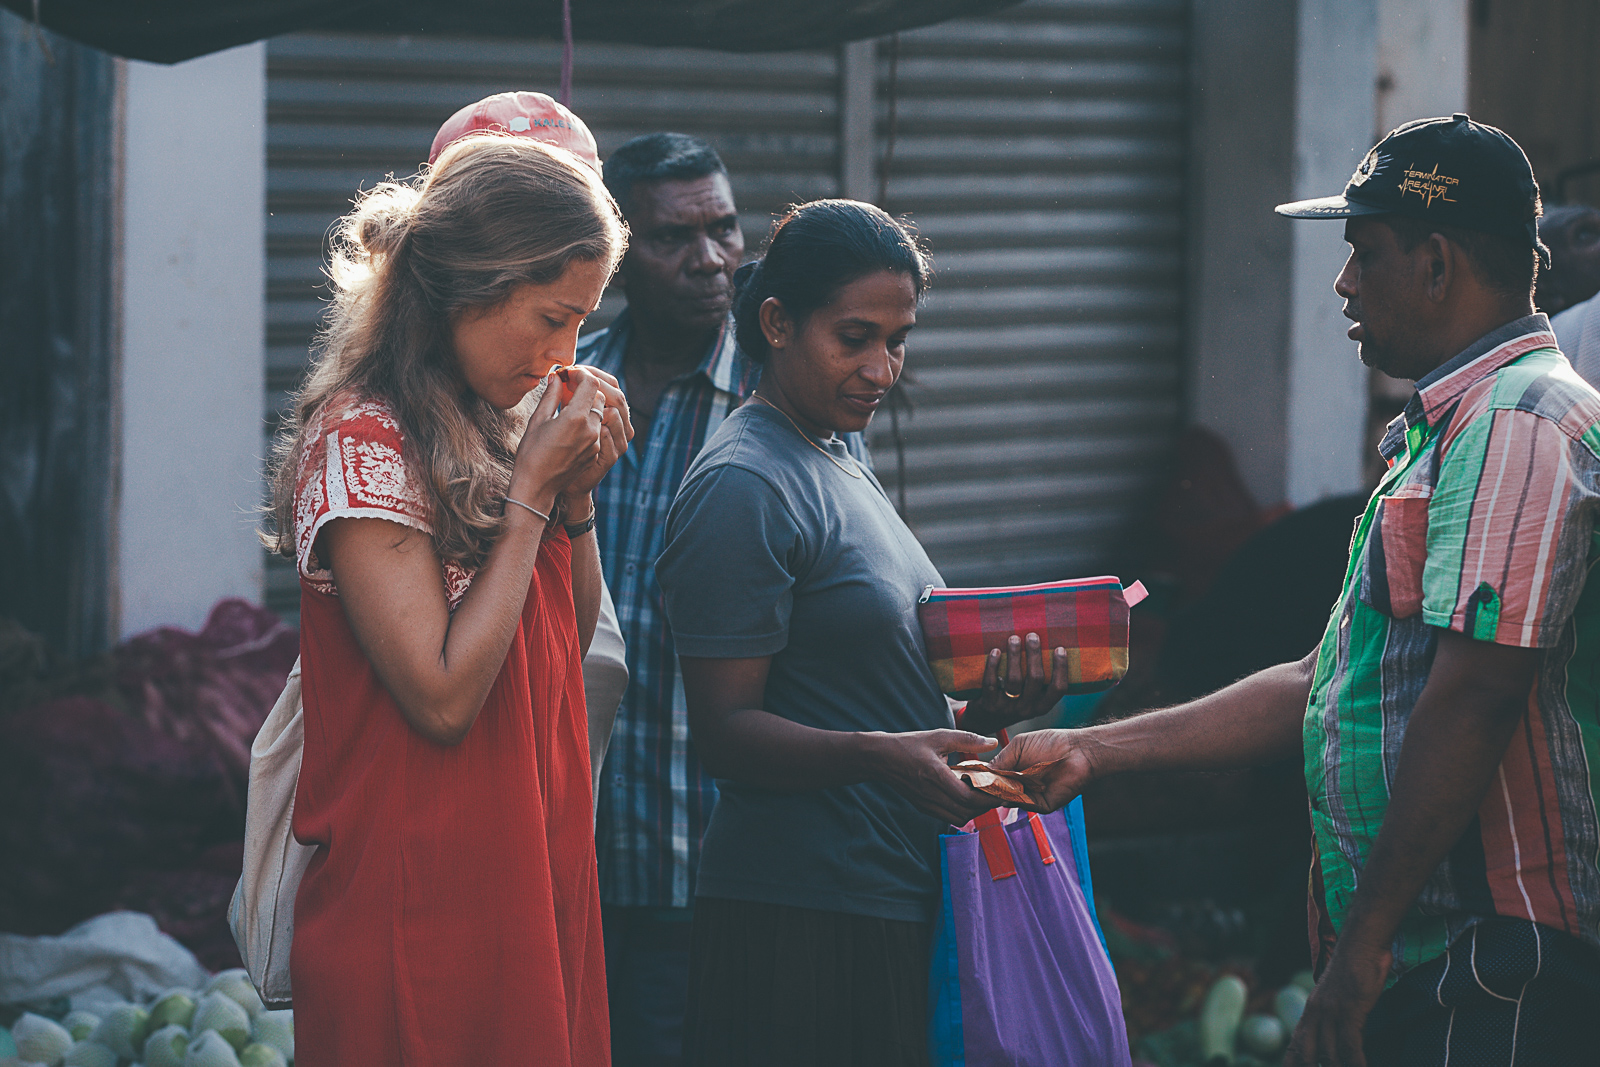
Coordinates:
<point>997,849</point>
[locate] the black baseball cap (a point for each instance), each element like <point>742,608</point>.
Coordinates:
<point>1451,171</point>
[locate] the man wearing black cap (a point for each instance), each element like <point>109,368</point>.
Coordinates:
<point>1451,714</point>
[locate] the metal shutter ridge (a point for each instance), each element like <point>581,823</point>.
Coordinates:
<point>1040,152</point>
<point>344,111</point>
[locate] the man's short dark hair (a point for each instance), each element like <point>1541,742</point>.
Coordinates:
<point>658,157</point>
<point>1507,265</point>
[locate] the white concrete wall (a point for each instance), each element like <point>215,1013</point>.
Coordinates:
<point>1335,83</point>
<point>193,268</point>
<point>1241,164</point>
<point>1284,110</point>
<point>1422,60</point>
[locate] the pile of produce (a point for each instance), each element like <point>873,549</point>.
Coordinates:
<point>1235,1027</point>
<point>123,777</point>
<point>1191,998</point>
<point>223,1025</point>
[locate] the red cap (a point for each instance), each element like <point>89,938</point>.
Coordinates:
<point>528,114</point>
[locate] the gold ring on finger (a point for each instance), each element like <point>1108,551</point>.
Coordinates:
<point>1009,693</point>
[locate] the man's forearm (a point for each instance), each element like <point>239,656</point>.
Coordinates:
<point>1255,720</point>
<point>1455,740</point>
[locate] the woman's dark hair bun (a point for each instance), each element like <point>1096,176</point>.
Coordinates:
<point>744,274</point>
<point>816,250</point>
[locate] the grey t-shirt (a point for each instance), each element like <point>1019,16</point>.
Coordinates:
<point>773,551</point>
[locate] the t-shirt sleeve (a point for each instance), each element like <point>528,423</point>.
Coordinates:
<point>354,468</point>
<point>1509,530</point>
<point>727,574</point>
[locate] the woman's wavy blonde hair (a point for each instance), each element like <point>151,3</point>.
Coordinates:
<point>494,212</point>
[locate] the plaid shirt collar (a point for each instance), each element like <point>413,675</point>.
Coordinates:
<point>724,365</point>
<point>1439,389</point>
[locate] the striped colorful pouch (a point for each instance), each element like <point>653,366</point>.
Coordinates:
<point>1086,616</point>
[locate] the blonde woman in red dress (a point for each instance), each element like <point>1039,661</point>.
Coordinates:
<point>438,507</point>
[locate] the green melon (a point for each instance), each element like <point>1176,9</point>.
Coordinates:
<point>175,1007</point>
<point>256,1054</point>
<point>219,1012</point>
<point>80,1024</point>
<point>210,1049</point>
<point>166,1047</point>
<point>237,985</point>
<point>89,1054</point>
<point>123,1030</point>
<point>40,1040</point>
<point>275,1028</point>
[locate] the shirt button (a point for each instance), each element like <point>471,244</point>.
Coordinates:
<point>630,569</point>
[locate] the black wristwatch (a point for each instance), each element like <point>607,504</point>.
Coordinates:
<point>576,530</point>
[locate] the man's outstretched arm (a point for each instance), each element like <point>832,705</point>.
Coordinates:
<point>1456,737</point>
<point>1255,720</point>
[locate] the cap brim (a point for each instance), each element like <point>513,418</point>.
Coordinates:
<point>1328,207</point>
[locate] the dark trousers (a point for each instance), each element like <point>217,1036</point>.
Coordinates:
<point>647,982</point>
<point>779,986</point>
<point>1507,992</point>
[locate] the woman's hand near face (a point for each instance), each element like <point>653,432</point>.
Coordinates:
<point>557,450</point>
<point>1025,692</point>
<point>616,430</point>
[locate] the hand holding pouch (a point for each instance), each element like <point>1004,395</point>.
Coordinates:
<point>1086,616</point>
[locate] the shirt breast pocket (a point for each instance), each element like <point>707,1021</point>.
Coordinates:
<point>1397,550</point>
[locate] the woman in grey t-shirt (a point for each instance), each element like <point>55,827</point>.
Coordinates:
<point>791,585</point>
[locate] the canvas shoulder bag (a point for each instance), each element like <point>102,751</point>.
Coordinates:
<point>262,912</point>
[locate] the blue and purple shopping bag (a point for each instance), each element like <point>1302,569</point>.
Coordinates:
<point>1020,973</point>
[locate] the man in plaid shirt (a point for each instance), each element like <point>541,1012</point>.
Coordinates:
<point>674,352</point>
<point>1450,717</point>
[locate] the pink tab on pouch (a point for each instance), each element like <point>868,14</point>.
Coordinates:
<point>1135,593</point>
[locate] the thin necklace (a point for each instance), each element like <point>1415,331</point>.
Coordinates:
<point>851,470</point>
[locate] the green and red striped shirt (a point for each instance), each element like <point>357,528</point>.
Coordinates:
<point>1484,524</point>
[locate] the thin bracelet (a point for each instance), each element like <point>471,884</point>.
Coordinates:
<point>526,507</point>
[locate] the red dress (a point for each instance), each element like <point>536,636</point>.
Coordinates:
<point>451,914</point>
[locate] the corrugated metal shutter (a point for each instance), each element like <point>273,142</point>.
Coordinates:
<point>344,111</point>
<point>1040,151</point>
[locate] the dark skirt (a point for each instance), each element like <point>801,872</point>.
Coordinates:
<point>780,986</point>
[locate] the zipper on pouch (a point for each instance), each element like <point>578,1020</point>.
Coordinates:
<point>1134,593</point>
<point>1105,579</point>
